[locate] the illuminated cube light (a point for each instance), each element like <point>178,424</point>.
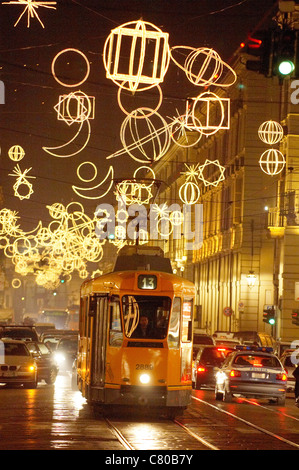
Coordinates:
<point>136,55</point>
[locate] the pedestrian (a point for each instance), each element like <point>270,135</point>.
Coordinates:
<point>296,375</point>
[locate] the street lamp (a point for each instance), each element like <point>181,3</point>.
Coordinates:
<point>251,278</point>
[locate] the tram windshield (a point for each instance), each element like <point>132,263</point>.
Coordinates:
<point>146,316</point>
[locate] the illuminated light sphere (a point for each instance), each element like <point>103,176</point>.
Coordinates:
<point>136,55</point>
<point>145,140</point>
<point>270,132</point>
<point>203,66</point>
<point>272,162</point>
<point>189,193</point>
<point>16,153</point>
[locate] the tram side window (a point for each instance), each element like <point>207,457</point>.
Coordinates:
<point>174,326</point>
<point>187,320</point>
<point>83,315</point>
<point>115,328</point>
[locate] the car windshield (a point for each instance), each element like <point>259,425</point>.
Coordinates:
<point>150,313</point>
<point>214,356</point>
<point>256,360</point>
<point>202,339</point>
<point>14,349</point>
<point>68,344</point>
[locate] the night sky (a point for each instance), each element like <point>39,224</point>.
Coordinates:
<point>28,118</point>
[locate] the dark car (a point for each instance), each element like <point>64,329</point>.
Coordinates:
<point>207,363</point>
<point>19,332</point>
<point>47,369</point>
<point>66,352</point>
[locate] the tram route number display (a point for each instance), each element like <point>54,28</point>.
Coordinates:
<point>147,281</point>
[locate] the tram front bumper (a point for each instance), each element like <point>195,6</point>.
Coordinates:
<point>134,395</point>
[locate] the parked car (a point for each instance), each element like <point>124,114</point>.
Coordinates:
<point>253,373</point>
<point>47,369</point>
<point>288,362</point>
<point>21,332</point>
<point>66,352</point>
<point>17,366</point>
<point>207,363</point>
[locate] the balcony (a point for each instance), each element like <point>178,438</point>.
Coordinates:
<point>275,223</point>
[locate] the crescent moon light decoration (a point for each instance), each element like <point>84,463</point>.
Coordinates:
<point>53,150</point>
<point>78,190</point>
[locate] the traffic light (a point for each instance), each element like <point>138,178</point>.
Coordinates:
<point>260,46</point>
<point>269,315</point>
<point>295,317</point>
<point>284,53</point>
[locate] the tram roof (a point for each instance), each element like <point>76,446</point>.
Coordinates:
<point>127,281</point>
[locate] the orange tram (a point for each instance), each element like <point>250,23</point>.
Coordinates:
<point>135,335</point>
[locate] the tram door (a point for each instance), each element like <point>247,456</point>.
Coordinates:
<point>99,341</point>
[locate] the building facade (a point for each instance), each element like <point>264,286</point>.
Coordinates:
<point>250,230</point>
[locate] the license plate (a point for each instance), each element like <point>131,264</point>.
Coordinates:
<point>7,374</point>
<point>258,375</point>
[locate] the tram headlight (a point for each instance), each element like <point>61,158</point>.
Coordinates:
<point>144,379</point>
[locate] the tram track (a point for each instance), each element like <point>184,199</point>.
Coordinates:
<point>250,424</point>
<point>196,436</point>
<point>119,435</point>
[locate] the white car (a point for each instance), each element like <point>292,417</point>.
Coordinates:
<point>251,372</point>
<point>17,366</point>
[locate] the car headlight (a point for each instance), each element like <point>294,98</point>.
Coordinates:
<point>220,377</point>
<point>59,358</point>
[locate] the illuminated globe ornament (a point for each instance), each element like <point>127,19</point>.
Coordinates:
<point>16,153</point>
<point>272,162</point>
<point>203,66</point>
<point>136,55</point>
<point>270,132</point>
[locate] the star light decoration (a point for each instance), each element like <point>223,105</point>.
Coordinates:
<point>30,7</point>
<point>189,192</point>
<point>22,181</point>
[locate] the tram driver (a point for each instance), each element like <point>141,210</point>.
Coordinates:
<point>143,329</point>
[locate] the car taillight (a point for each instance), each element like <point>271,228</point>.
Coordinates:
<point>235,373</point>
<point>201,369</point>
<point>281,376</point>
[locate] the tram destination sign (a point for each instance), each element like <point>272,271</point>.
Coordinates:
<point>147,281</point>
